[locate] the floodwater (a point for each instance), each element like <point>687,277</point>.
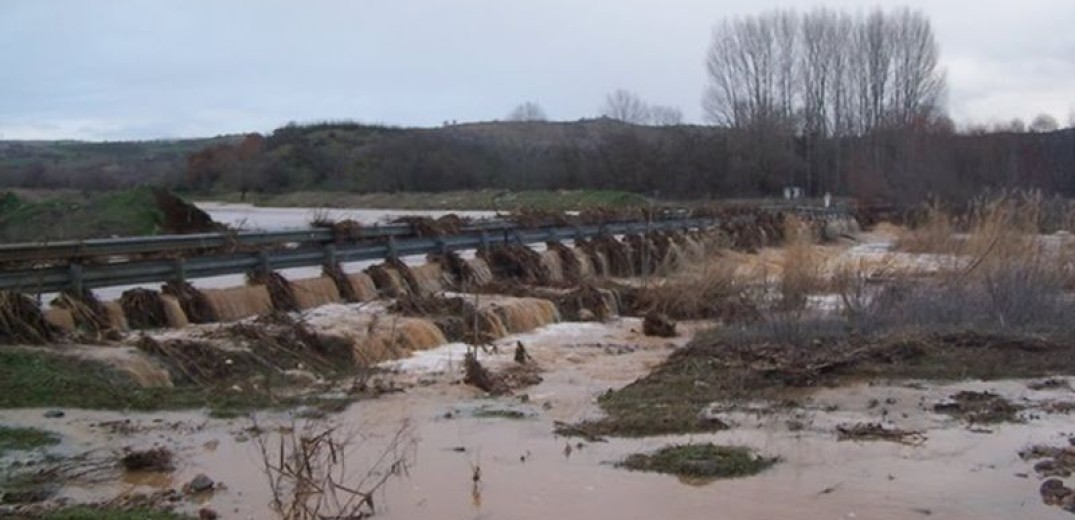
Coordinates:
<point>254,218</point>
<point>527,472</point>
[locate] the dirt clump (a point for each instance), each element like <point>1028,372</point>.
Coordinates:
<point>658,324</point>
<point>343,231</point>
<point>515,262</point>
<point>194,304</point>
<point>979,408</point>
<point>519,375</point>
<point>144,309</point>
<point>280,290</point>
<point>90,315</point>
<point>878,432</point>
<point>158,459</point>
<point>182,217</point>
<point>425,227</point>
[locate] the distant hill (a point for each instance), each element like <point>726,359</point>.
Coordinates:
<point>96,165</point>
<point>682,161</point>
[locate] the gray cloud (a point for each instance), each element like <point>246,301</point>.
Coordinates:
<point>110,69</point>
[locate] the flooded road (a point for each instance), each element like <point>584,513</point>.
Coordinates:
<point>527,472</point>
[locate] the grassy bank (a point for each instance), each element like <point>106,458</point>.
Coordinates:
<point>30,379</point>
<point>450,200</point>
<point>17,439</point>
<point>65,215</point>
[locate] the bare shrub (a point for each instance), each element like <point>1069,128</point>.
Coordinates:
<point>802,268</point>
<point>308,472</point>
<point>703,290</point>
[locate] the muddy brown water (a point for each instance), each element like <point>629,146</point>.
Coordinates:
<point>527,473</point>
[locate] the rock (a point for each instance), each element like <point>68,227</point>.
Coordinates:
<point>1053,491</point>
<point>658,324</point>
<point>206,513</point>
<point>586,315</point>
<point>300,377</point>
<point>1050,468</point>
<point>201,483</point>
<point>54,414</point>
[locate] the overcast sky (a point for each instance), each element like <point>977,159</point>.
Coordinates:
<point>108,69</point>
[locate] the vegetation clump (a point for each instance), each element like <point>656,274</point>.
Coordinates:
<point>701,461</point>
<point>17,439</point>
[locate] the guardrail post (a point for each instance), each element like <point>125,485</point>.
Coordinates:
<point>392,252</point>
<point>180,270</point>
<point>330,255</point>
<point>263,262</point>
<point>74,272</point>
<point>484,241</point>
<point>442,246</point>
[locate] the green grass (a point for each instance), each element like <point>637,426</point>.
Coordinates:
<point>560,200</point>
<point>19,439</point>
<point>31,379</point>
<point>701,461</point>
<point>67,216</point>
<point>87,513</point>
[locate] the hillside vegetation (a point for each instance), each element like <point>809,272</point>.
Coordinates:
<point>902,164</point>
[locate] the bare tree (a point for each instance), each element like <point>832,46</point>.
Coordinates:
<point>528,111</point>
<point>626,106</point>
<point>823,73</point>
<point>1044,123</point>
<point>661,115</point>
<point>916,83</point>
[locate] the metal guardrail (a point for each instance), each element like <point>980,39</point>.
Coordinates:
<point>185,261</point>
<point>78,276</point>
<point>74,249</point>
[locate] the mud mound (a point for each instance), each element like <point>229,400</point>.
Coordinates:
<point>586,303</point>
<point>615,254</point>
<point>499,383</point>
<point>388,280</point>
<point>22,322</point>
<point>427,227</point>
<point>280,290</point>
<point>194,304</point>
<point>343,231</point>
<point>144,309</point>
<point>92,318</point>
<point>459,273</point>
<point>457,318</point>
<point>181,217</point>
<point>272,343</point>
<point>657,324</point>
<point>515,262</point>
<point>570,266</point>
<point>343,286</point>
<point>979,408</point>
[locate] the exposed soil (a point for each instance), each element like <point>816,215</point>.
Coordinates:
<point>671,399</point>
<point>181,217</point>
<point>979,408</point>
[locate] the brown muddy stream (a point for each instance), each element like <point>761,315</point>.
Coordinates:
<point>527,472</point>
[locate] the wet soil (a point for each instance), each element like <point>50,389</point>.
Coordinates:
<point>672,399</point>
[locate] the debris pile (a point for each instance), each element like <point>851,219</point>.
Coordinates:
<point>21,321</point>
